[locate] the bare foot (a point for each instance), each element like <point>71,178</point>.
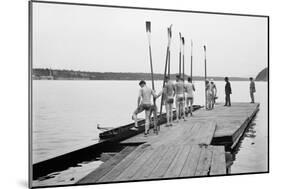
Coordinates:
<point>134,128</point>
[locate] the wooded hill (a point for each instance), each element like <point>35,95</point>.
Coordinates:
<point>263,75</point>
<point>55,74</point>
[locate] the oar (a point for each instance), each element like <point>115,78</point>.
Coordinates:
<point>104,128</point>
<point>180,55</point>
<point>205,76</point>
<point>183,58</point>
<point>169,54</point>
<point>183,72</point>
<point>191,59</point>
<point>148,31</point>
<point>169,63</point>
<point>166,64</point>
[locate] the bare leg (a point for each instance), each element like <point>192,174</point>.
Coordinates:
<point>147,121</point>
<point>191,106</point>
<point>177,110</point>
<point>167,114</point>
<point>171,113</point>
<point>183,110</point>
<point>135,118</point>
<point>187,106</point>
<point>156,128</point>
<point>211,102</point>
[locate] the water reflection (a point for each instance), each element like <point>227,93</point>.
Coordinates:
<point>251,153</point>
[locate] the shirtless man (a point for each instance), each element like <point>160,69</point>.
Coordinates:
<point>208,95</point>
<point>168,97</point>
<point>179,90</point>
<point>189,95</point>
<point>144,104</point>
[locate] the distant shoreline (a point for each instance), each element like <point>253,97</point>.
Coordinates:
<point>54,74</point>
<point>124,80</point>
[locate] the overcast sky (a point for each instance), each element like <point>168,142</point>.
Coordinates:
<point>103,39</point>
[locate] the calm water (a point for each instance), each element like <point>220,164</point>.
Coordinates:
<point>66,114</point>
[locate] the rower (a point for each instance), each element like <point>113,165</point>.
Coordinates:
<point>144,104</point>
<point>179,91</point>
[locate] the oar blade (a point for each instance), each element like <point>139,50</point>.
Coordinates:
<point>170,29</point>
<point>148,26</point>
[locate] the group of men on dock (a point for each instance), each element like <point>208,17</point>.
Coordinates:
<point>211,94</point>
<point>183,95</point>
<point>179,92</point>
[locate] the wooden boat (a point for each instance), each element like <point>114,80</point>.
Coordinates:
<point>124,132</point>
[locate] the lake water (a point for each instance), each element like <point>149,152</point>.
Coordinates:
<point>66,114</point>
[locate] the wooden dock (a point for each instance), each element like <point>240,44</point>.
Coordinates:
<point>195,147</point>
<point>231,122</point>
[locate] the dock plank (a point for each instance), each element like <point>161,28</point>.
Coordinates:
<point>148,166</point>
<point>175,168</point>
<point>190,138</point>
<point>128,173</point>
<point>191,162</point>
<point>218,164</point>
<point>106,167</point>
<point>207,132</point>
<point>160,170</point>
<point>126,162</point>
<point>204,163</point>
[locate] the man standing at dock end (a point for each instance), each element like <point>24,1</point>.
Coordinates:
<point>252,90</point>
<point>227,92</point>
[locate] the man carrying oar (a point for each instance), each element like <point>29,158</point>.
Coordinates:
<point>179,90</point>
<point>168,97</point>
<point>144,104</point>
<point>189,95</point>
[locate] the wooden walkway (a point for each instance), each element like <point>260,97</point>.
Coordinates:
<point>230,123</point>
<point>183,150</point>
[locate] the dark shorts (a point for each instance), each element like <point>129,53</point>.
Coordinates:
<point>180,99</point>
<point>146,107</point>
<point>170,101</point>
